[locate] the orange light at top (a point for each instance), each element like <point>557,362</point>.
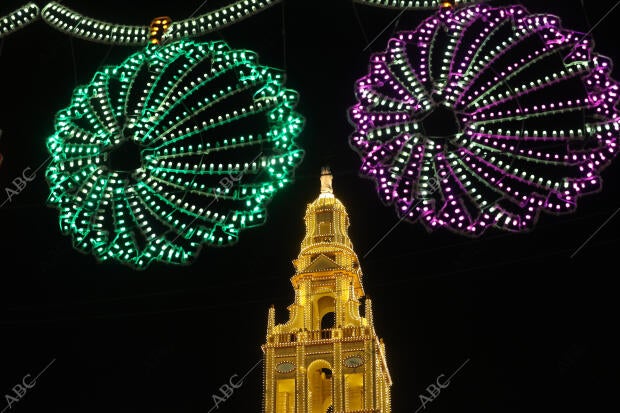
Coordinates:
<point>447,4</point>
<point>158,27</point>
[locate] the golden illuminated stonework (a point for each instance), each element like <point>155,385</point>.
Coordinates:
<point>326,357</point>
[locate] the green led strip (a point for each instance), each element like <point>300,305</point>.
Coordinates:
<point>189,108</point>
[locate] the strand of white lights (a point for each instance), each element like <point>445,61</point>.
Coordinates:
<point>75,24</point>
<point>19,18</point>
<point>415,4</point>
<point>67,21</point>
<point>217,19</point>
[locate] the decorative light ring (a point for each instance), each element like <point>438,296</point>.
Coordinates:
<point>19,18</point>
<point>415,4</point>
<point>531,108</point>
<point>75,24</point>
<point>213,133</point>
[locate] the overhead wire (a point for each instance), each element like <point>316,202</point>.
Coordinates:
<point>260,280</point>
<point>238,303</point>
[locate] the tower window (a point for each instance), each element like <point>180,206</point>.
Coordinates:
<point>324,222</point>
<point>324,228</point>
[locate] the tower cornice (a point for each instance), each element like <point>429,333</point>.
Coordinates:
<point>358,288</point>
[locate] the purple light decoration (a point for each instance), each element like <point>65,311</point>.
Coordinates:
<point>483,117</point>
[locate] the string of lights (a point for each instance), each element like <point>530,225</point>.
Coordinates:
<point>77,25</point>
<point>18,19</point>
<point>70,22</point>
<point>415,4</point>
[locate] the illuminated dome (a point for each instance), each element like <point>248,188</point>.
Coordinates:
<point>326,238</point>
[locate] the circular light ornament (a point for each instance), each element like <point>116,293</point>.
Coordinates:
<point>285,367</point>
<point>180,146</point>
<point>483,117</point>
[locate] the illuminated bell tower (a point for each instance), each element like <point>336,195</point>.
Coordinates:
<point>326,357</point>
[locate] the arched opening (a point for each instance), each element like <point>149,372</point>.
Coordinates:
<point>328,321</point>
<point>326,311</point>
<point>319,386</point>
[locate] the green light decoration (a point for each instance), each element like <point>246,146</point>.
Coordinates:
<point>180,146</point>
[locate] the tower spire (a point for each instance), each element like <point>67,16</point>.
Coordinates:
<point>327,224</point>
<point>326,181</point>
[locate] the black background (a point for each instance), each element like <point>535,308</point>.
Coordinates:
<point>536,325</point>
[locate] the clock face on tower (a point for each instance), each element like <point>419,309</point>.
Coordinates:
<point>353,361</point>
<point>285,367</point>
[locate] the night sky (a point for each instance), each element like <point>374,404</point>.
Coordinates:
<point>533,328</point>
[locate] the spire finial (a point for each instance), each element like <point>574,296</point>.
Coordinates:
<point>326,180</point>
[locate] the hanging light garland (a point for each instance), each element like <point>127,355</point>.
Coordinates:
<point>180,146</point>
<point>483,117</point>
<point>416,4</point>
<point>75,24</point>
<point>18,19</point>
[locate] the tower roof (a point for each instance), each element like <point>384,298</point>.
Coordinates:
<point>327,221</point>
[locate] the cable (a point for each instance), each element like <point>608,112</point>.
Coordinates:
<point>502,263</point>
<point>585,15</point>
<point>359,22</point>
<point>284,35</point>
